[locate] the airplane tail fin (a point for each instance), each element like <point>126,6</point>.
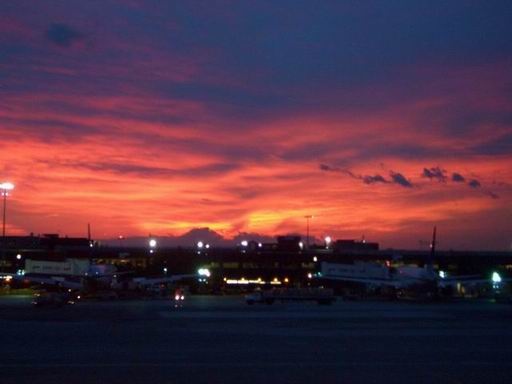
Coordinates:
<point>430,262</point>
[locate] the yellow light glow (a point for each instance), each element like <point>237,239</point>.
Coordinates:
<point>245,282</point>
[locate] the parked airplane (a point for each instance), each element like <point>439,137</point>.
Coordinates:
<point>400,277</point>
<point>80,275</point>
<point>403,278</point>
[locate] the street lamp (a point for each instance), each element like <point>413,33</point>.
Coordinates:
<point>328,241</point>
<point>496,278</point>
<point>307,217</point>
<point>5,188</point>
<point>204,272</point>
<point>152,245</point>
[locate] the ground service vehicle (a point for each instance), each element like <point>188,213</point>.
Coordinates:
<point>53,299</point>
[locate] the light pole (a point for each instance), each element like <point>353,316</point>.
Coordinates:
<point>152,245</point>
<point>307,217</point>
<point>5,188</point>
<point>328,241</point>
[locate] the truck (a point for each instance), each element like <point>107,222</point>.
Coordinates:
<point>322,296</point>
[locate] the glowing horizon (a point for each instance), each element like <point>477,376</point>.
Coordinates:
<point>140,124</point>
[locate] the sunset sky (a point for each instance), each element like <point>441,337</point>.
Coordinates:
<point>380,118</point>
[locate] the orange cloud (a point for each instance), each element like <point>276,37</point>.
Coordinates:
<point>143,163</point>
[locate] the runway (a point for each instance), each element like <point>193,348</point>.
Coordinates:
<point>222,340</point>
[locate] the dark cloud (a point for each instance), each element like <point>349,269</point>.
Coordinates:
<point>367,179</point>
<point>144,170</point>
<point>458,178</point>
<point>351,174</point>
<point>396,178</point>
<point>498,146</point>
<point>328,168</point>
<point>435,173</point>
<point>400,179</point>
<point>474,183</point>
<point>458,119</point>
<point>492,195</point>
<point>63,35</point>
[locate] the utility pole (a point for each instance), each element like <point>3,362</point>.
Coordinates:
<point>307,217</point>
<point>5,188</point>
<point>4,193</point>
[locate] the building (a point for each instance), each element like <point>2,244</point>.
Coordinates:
<point>354,245</point>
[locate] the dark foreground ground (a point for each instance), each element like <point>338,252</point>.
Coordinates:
<point>222,340</point>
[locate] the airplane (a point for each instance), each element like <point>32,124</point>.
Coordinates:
<point>410,279</point>
<point>88,279</point>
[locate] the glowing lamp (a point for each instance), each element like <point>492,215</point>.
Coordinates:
<point>7,186</point>
<point>204,272</point>
<point>496,278</point>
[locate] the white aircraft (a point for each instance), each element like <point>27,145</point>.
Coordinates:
<point>403,277</point>
<point>82,276</point>
<point>400,278</point>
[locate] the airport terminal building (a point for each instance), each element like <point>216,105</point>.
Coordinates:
<point>286,261</point>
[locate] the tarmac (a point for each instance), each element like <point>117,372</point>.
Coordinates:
<point>212,339</point>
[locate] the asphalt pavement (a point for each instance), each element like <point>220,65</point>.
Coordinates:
<point>223,340</point>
